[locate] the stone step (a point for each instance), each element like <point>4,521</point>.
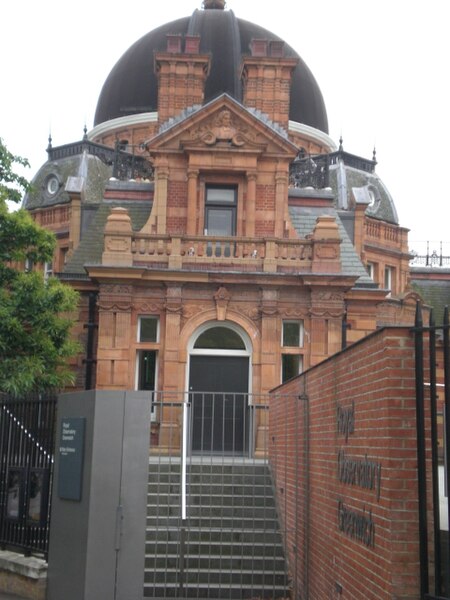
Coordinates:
<point>204,592</point>
<point>216,537</point>
<point>232,547</point>
<point>207,467</point>
<point>242,561</point>
<point>218,511</point>
<point>232,488</point>
<point>214,500</point>
<point>212,480</point>
<point>213,522</point>
<point>215,578</point>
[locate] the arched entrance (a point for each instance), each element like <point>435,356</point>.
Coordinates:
<point>219,376</point>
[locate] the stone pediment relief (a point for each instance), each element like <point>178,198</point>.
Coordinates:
<point>223,127</point>
<point>222,124</point>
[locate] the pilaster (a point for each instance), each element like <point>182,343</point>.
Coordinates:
<point>269,339</point>
<point>114,337</point>
<point>192,202</point>
<point>250,204</point>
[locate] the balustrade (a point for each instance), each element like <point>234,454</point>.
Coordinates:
<point>249,253</point>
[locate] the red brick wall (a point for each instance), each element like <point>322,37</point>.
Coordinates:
<point>177,207</point>
<point>357,406</point>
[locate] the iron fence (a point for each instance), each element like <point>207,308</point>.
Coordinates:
<point>433,428</point>
<point>428,256</point>
<point>27,436</point>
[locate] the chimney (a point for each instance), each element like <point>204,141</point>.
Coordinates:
<point>266,76</point>
<point>181,75</point>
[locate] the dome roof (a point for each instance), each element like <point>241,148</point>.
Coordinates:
<point>132,88</point>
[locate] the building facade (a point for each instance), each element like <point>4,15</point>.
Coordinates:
<point>220,239</point>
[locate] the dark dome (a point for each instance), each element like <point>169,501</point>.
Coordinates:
<point>132,88</point>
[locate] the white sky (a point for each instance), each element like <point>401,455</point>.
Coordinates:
<point>383,68</point>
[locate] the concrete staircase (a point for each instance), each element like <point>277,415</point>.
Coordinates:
<point>230,545</point>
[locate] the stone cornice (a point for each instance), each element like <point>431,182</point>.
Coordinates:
<point>313,134</point>
<point>122,122</point>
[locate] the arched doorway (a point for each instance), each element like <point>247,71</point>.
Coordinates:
<point>219,376</point>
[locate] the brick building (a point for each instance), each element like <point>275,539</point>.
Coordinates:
<point>220,239</point>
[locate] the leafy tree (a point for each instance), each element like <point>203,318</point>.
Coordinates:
<point>34,314</point>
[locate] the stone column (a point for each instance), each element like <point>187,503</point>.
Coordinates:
<point>114,338</point>
<point>250,204</point>
<point>327,312</point>
<point>192,202</point>
<point>161,190</point>
<point>281,204</point>
<point>170,433</point>
<point>269,340</point>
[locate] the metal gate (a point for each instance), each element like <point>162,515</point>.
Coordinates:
<point>433,432</point>
<point>212,520</point>
<point>27,427</point>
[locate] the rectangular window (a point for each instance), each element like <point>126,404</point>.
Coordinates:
<point>291,366</point>
<point>220,210</point>
<point>388,278</point>
<point>371,270</point>
<point>48,270</point>
<point>146,376</point>
<point>148,329</point>
<point>292,334</point>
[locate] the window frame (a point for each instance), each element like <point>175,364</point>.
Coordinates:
<point>389,278</point>
<point>300,364</point>
<point>298,350</point>
<point>139,329</point>
<point>211,205</point>
<point>301,333</point>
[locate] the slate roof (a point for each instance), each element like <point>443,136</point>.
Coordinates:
<point>90,248</point>
<point>93,173</point>
<point>435,293</point>
<point>383,207</point>
<point>304,220</point>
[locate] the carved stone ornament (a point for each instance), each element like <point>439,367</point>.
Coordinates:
<point>327,295</point>
<point>116,289</point>
<point>293,314</point>
<point>252,313</point>
<point>114,306</point>
<point>222,298</point>
<point>115,244</point>
<point>173,308</point>
<point>193,311</point>
<point>326,251</point>
<point>150,309</point>
<point>269,311</point>
<point>326,314</point>
<point>222,128</point>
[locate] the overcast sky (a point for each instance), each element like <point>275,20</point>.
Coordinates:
<point>383,68</point>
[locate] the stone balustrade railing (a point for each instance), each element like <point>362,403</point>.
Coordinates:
<point>228,252</point>
<point>124,247</point>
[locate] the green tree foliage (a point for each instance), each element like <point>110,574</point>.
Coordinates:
<point>35,317</point>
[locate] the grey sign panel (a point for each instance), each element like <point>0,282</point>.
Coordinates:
<point>71,454</point>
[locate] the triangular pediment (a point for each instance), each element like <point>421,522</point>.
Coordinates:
<point>222,124</point>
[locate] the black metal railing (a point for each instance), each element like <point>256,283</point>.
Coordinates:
<point>434,574</point>
<point>431,257</point>
<point>127,161</point>
<point>313,170</point>
<point>27,437</point>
